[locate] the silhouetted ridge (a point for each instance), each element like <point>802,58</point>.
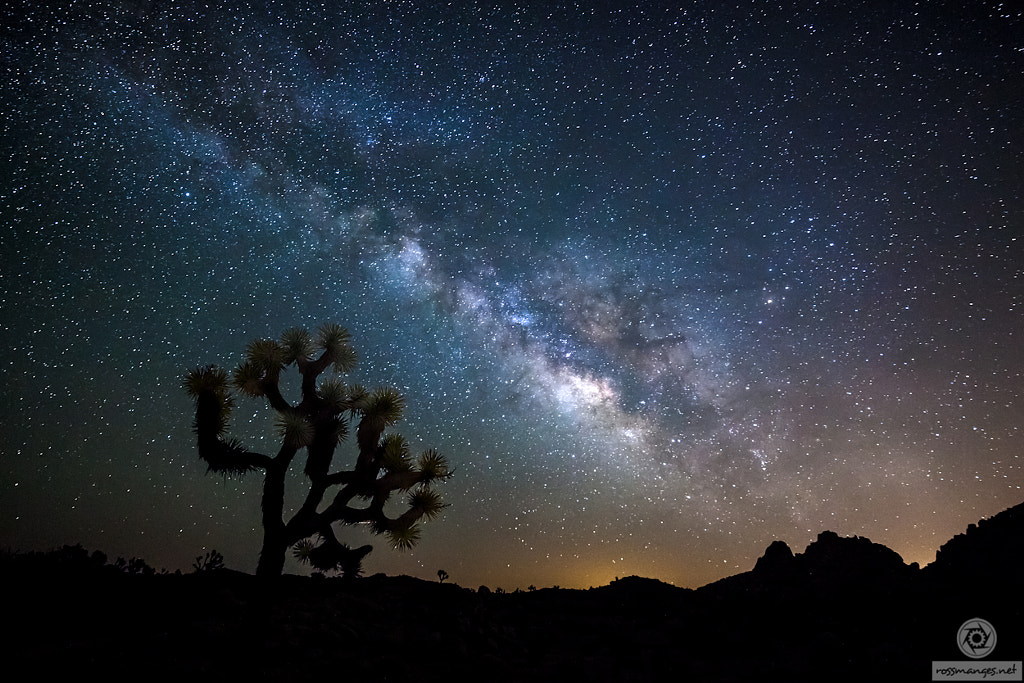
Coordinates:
<point>993,547</point>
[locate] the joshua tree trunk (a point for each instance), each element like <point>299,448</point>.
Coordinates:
<point>272,554</point>
<point>275,544</point>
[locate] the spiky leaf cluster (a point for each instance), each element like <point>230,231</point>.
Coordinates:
<point>294,428</point>
<point>403,539</point>
<point>301,550</point>
<point>426,502</point>
<point>432,465</point>
<point>208,378</point>
<point>248,378</point>
<point>334,393</point>
<point>267,354</point>
<point>358,396</point>
<point>395,453</point>
<point>334,339</point>
<point>296,344</point>
<point>384,406</point>
<point>345,359</point>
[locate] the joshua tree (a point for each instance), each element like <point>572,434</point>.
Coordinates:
<point>441,575</point>
<point>206,564</point>
<point>317,423</point>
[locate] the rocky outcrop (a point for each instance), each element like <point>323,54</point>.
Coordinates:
<point>842,559</point>
<point>991,551</point>
<point>777,560</point>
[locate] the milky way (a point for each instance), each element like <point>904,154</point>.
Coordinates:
<point>663,284</point>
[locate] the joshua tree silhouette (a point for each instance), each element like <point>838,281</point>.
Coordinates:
<point>317,423</point>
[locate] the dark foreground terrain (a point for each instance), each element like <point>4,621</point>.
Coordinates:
<point>844,609</point>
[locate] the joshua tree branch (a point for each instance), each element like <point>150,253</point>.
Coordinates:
<point>340,478</point>
<point>229,457</point>
<point>338,510</point>
<point>220,455</point>
<point>272,392</point>
<point>399,481</point>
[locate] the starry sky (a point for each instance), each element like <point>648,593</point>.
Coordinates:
<point>664,282</point>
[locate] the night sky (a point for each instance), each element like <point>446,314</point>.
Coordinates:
<point>663,284</point>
